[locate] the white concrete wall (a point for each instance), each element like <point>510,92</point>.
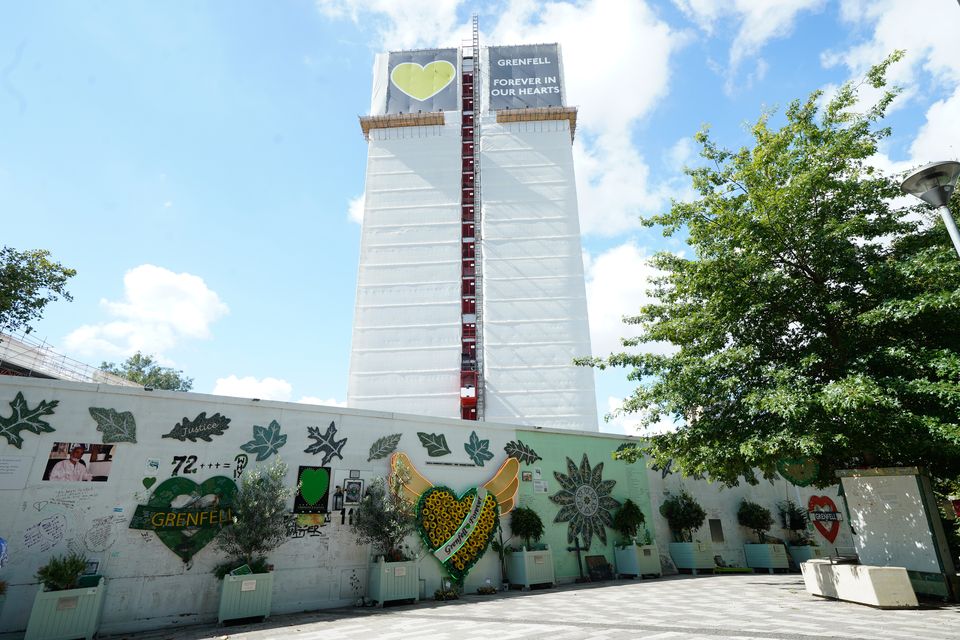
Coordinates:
<point>722,503</point>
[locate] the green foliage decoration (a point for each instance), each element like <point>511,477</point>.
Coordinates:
<point>62,572</point>
<point>434,443</point>
<point>684,515</point>
<point>23,418</point>
<point>266,441</point>
<point>477,449</point>
<point>116,426</point>
<point>814,316</point>
<point>382,447</point>
<point>384,519</point>
<point>522,452</point>
<point>29,281</point>
<point>756,517</point>
<point>261,515</point>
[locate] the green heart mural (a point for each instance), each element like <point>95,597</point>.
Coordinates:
<point>457,529</point>
<point>423,82</point>
<point>187,529</point>
<point>800,471</point>
<point>314,484</point>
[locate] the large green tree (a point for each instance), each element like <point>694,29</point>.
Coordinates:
<point>817,320</point>
<point>29,280</point>
<point>145,371</point>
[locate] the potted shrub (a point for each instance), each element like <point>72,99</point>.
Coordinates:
<point>761,555</point>
<point>383,520</point>
<point>261,520</point>
<point>684,516</point>
<point>68,604</point>
<point>633,558</point>
<point>532,563</point>
<point>801,546</point>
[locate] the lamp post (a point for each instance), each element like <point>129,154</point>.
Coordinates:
<point>934,184</point>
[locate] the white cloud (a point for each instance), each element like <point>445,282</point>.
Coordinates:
<point>250,387</point>
<point>159,309</point>
<point>631,423</point>
<point>327,402</point>
<point>401,24</point>
<point>758,23</point>
<point>355,208</point>
<point>617,283</point>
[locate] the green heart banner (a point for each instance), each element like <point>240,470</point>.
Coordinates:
<point>800,471</point>
<point>457,529</point>
<point>188,529</point>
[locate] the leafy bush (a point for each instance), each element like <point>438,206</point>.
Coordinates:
<point>754,516</point>
<point>261,518</point>
<point>794,520</point>
<point>384,518</point>
<point>684,515</point>
<point>627,520</point>
<point>526,524</point>
<point>446,594</point>
<point>62,572</point>
<point>486,590</point>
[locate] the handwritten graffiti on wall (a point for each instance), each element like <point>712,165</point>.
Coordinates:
<point>188,464</point>
<point>46,534</point>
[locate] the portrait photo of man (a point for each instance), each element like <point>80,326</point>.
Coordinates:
<point>79,462</point>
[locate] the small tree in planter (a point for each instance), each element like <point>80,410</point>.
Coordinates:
<point>261,521</point>
<point>528,565</point>
<point>632,558</point>
<point>761,555</point>
<point>756,517</point>
<point>794,520</point>
<point>684,516</point>
<point>61,579</point>
<point>383,520</point>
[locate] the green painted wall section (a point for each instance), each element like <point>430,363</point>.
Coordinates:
<point>631,482</point>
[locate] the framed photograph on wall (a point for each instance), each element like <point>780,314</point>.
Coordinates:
<point>352,492</point>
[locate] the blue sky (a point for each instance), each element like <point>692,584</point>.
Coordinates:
<point>201,165</point>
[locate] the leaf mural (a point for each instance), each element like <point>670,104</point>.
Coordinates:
<point>266,441</point>
<point>478,450</point>
<point>116,426</point>
<point>434,443</point>
<point>384,446</point>
<point>522,452</point>
<point>24,418</point>
<point>200,427</point>
<point>325,444</point>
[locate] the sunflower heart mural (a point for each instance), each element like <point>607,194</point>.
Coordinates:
<point>457,528</point>
<point>585,501</point>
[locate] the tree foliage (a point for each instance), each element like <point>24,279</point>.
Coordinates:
<point>756,517</point>
<point>684,515</point>
<point>145,371</point>
<point>817,320</point>
<point>29,280</point>
<point>384,518</point>
<point>261,516</point>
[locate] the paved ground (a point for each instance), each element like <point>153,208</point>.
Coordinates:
<point>681,607</point>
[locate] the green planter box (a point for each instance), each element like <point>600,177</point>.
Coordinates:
<point>527,568</point>
<point>69,614</point>
<point>695,556</point>
<point>803,553</point>
<point>766,556</point>
<point>394,581</point>
<point>245,596</point>
<point>638,560</point>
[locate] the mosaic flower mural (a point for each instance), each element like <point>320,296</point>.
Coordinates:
<point>585,501</point>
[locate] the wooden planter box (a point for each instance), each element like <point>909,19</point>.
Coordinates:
<point>695,556</point>
<point>638,560</point>
<point>766,556</point>
<point>69,614</point>
<point>527,568</point>
<point>245,596</point>
<point>394,581</point>
<point>803,553</point>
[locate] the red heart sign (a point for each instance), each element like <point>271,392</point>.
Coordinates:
<point>824,501</point>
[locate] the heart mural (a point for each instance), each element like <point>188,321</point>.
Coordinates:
<point>457,530</point>
<point>824,501</point>
<point>422,82</point>
<point>187,529</point>
<point>314,484</point>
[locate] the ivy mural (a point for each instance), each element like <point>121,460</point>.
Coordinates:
<point>478,450</point>
<point>23,418</point>
<point>200,428</point>
<point>585,501</point>
<point>116,426</point>
<point>434,443</point>
<point>382,447</point>
<point>522,452</point>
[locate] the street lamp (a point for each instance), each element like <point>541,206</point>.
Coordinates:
<point>934,184</point>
